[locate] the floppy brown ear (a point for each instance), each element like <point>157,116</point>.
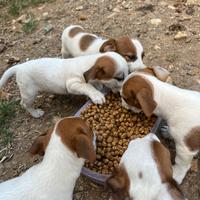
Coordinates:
<point>161,73</point>
<point>84,148</point>
<point>40,143</point>
<point>38,146</point>
<point>94,72</point>
<point>109,45</point>
<point>146,101</point>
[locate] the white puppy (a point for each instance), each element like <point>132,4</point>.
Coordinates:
<point>65,150</point>
<point>179,107</point>
<point>144,173</point>
<point>62,76</point>
<point>76,42</point>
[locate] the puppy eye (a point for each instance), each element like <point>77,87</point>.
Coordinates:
<point>143,54</point>
<point>131,57</point>
<point>121,78</point>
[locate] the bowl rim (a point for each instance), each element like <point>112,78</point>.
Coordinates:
<point>95,176</point>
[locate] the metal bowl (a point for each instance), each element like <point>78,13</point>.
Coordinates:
<point>101,178</point>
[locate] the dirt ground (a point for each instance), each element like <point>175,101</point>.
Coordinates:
<point>106,18</point>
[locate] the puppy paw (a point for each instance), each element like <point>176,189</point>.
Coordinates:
<point>37,113</point>
<point>178,175</point>
<point>98,98</point>
<point>165,132</point>
<point>125,105</point>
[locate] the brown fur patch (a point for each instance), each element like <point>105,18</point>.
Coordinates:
<point>86,41</point>
<point>40,144</point>
<point>138,92</point>
<point>74,31</point>
<point>162,157</point>
<point>103,69</point>
<point>192,140</point>
<point>77,136</point>
<point>119,183</point>
<point>123,45</point>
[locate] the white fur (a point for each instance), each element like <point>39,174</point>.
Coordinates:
<point>54,178</point>
<point>138,158</point>
<point>62,76</point>
<point>181,109</point>
<point>70,46</point>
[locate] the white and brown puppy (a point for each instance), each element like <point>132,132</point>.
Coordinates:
<point>179,107</point>
<point>65,150</point>
<point>144,173</point>
<point>76,42</point>
<point>62,76</point>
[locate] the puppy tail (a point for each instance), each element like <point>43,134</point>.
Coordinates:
<point>7,74</point>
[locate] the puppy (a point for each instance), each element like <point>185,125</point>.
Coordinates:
<point>144,173</point>
<point>76,42</point>
<point>65,151</point>
<point>62,76</point>
<point>179,107</point>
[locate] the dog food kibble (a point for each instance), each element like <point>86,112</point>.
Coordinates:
<point>114,126</point>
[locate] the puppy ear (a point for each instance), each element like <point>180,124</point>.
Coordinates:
<point>114,184</point>
<point>161,73</point>
<point>40,144</point>
<point>84,147</point>
<point>146,101</point>
<point>94,72</point>
<point>109,45</point>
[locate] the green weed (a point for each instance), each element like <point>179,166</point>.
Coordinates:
<point>7,112</point>
<point>16,6</point>
<point>30,25</point>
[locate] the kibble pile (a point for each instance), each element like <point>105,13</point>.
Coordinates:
<point>115,126</point>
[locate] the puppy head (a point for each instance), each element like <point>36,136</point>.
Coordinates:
<point>110,69</point>
<point>75,134</point>
<point>130,49</point>
<point>119,184</point>
<point>137,95</point>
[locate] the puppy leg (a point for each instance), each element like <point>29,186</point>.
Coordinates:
<point>28,95</point>
<point>77,87</point>
<point>182,162</point>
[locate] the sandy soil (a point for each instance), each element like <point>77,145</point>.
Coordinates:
<point>106,18</point>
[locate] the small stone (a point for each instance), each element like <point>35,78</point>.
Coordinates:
<point>155,22</point>
<point>13,60</point>
<point>186,18</point>
<point>116,9</point>
<point>79,8</point>
<point>111,15</point>
<point>83,17</point>
<point>156,47</point>
<point>180,35</point>
<point>188,40</point>
<point>171,7</point>
<point>45,15</point>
